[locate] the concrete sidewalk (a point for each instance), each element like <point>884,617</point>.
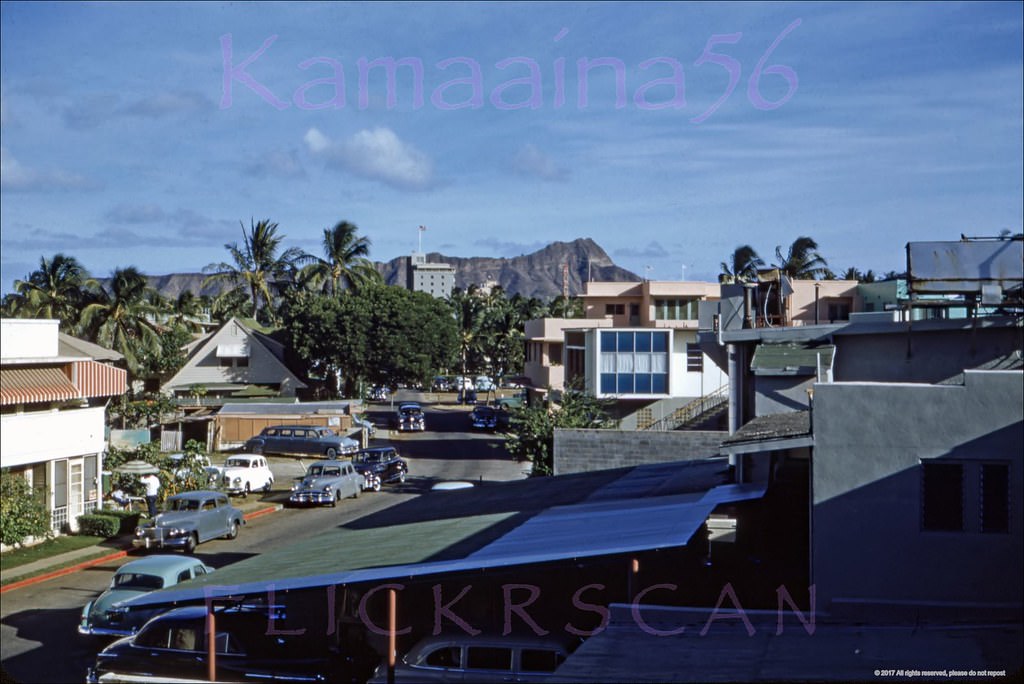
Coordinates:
<point>111,549</point>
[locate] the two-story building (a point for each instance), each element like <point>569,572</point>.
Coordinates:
<point>53,399</point>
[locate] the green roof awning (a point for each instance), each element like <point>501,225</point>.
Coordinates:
<point>792,359</point>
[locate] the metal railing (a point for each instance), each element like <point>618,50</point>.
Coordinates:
<point>695,408</point>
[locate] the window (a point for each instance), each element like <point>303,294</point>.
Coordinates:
<point>694,358</point>
<point>942,497</point>
<point>614,309</point>
<point>488,658</point>
<point>995,497</point>
<point>675,309</point>
<point>634,362</point>
<point>447,656</point>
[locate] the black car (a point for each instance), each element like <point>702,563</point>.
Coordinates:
<point>174,646</point>
<point>384,462</point>
<point>409,417</point>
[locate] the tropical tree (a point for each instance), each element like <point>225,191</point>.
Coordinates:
<point>803,261</point>
<point>123,319</point>
<point>57,289</point>
<point>256,264</point>
<point>345,264</point>
<point>853,273</point>
<point>468,307</point>
<point>743,265</point>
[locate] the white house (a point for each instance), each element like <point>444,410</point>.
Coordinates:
<point>53,398</point>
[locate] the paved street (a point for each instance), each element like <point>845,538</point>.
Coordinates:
<point>38,638</point>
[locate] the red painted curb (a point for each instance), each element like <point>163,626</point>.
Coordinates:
<point>262,511</point>
<point>63,571</point>
<point>96,561</point>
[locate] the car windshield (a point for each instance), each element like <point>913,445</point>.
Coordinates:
<point>316,471</point>
<point>236,463</point>
<point>135,580</point>
<point>184,505</point>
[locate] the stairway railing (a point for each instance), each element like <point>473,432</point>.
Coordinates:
<point>695,408</point>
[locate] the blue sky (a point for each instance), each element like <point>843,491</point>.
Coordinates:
<point>138,134</point>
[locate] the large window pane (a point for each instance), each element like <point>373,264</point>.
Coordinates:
<point>995,497</point>
<point>607,363</point>
<point>643,341</point>
<point>625,341</point>
<point>607,341</point>
<point>643,363</point>
<point>659,363</point>
<point>643,383</point>
<point>659,383</point>
<point>607,383</point>
<point>626,383</point>
<point>659,341</point>
<point>624,363</point>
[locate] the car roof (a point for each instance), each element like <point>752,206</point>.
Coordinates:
<point>330,463</point>
<point>377,450</point>
<point>305,427</point>
<point>159,563</point>
<point>409,404</point>
<point>199,494</point>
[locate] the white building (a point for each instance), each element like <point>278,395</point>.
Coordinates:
<point>436,279</point>
<point>53,398</point>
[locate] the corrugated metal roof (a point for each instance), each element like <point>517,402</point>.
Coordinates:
<point>791,359</point>
<point>354,554</point>
<point>304,408</point>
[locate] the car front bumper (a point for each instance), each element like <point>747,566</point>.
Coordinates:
<point>311,497</point>
<point>160,541</point>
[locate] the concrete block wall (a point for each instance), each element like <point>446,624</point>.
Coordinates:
<point>578,451</point>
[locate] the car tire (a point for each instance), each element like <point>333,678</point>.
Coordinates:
<point>359,490</point>
<point>331,453</point>
<point>191,543</point>
<point>232,530</point>
<point>247,490</point>
<point>334,500</point>
<point>401,477</point>
<point>257,449</point>
<point>266,487</point>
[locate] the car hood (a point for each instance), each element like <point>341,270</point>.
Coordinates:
<point>234,470</point>
<point>176,518</point>
<point>318,482</point>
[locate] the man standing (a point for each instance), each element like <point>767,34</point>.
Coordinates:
<point>152,483</point>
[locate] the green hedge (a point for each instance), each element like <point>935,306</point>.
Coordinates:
<point>99,525</point>
<point>129,519</point>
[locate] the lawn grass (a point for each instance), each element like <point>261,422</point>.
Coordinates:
<point>53,547</point>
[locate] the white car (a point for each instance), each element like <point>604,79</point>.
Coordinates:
<point>246,473</point>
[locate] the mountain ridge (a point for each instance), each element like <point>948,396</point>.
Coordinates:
<point>537,274</point>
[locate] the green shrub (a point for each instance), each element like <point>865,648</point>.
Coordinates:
<point>99,525</point>
<point>23,513</point>
<point>129,519</point>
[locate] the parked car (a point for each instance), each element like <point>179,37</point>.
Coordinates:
<point>458,658</point>
<point>103,616</point>
<point>409,417</point>
<point>483,418</point>
<point>173,647</point>
<point>189,519</point>
<point>327,482</point>
<point>384,463</point>
<point>484,383</point>
<point>364,423</point>
<point>441,384</point>
<point>514,401</point>
<point>378,393</point>
<point>301,439</point>
<point>246,473</point>
<point>467,396</point>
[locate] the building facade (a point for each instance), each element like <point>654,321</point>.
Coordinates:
<point>436,279</point>
<point>52,427</point>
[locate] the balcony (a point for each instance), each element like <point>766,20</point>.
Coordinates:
<point>46,435</point>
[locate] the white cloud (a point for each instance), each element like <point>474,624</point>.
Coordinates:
<point>530,161</point>
<point>378,154</point>
<point>16,177</point>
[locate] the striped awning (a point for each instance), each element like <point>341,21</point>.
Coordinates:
<point>35,385</point>
<point>95,379</point>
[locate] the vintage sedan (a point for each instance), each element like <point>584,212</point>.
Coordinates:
<point>246,473</point>
<point>301,439</point>
<point>173,647</point>
<point>327,482</point>
<point>189,519</point>
<point>483,418</point>
<point>382,462</point>
<point>409,417</point>
<point>104,615</point>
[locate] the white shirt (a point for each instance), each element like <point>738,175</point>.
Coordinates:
<point>152,485</point>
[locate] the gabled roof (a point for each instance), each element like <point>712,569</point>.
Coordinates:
<point>72,346</point>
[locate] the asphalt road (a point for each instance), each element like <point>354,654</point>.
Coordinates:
<point>38,623</point>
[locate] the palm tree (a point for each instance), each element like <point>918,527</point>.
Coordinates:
<point>57,289</point>
<point>468,307</point>
<point>123,319</point>
<point>345,264</point>
<point>744,265</point>
<point>256,265</point>
<point>803,262</point>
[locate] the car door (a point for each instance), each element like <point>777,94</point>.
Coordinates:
<point>208,519</point>
<point>488,664</point>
